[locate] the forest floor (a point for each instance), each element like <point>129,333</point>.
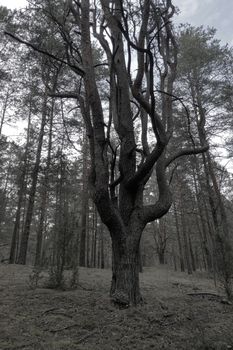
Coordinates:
<point>84,319</point>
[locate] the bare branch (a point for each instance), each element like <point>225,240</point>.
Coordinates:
<point>186,152</point>
<point>64,95</point>
<point>146,166</point>
<point>76,69</point>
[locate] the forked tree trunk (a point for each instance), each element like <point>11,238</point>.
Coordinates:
<point>122,210</point>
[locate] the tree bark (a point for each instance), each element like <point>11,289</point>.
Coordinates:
<point>83,257</point>
<point>4,196</point>
<point>21,190</point>
<point>125,215</point>
<point>181,256</point>
<point>4,109</point>
<point>44,195</point>
<point>125,289</point>
<point>26,232</point>
<point>102,260</point>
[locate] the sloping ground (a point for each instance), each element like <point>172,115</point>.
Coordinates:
<point>84,319</point>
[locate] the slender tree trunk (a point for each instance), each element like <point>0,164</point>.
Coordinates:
<point>102,264</point>
<point>83,238</point>
<point>186,241</point>
<point>44,195</point>
<point>4,197</point>
<point>203,255</point>
<point>204,233</point>
<point>94,238</point>
<point>21,192</point>
<point>161,254</point>
<point>223,245</point>
<point>174,258</point>
<point>88,240</point>
<point>179,239</point>
<point>4,109</point>
<point>30,207</point>
<point>60,239</point>
<point>192,256</point>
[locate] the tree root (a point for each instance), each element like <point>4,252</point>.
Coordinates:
<point>64,328</point>
<point>206,294</point>
<point>220,298</point>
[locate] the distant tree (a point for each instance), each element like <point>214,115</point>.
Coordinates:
<point>202,73</point>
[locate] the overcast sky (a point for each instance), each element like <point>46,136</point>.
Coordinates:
<point>214,13</point>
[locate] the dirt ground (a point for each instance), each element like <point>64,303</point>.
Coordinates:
<point>84,319</point>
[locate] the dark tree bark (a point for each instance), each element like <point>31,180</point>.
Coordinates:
<point>125,215</point>
<point>94,239</point>
<point>21,192</point>
<point>186,241</point>
<point>4,109</point>
<point>44,194</point>
<point>160,237</point>
<point>4,196</point>
<point>102,261</point>
<point>206,230</point>
<point>84,254</point>
<point>181,255</point>
<point>223,249</point>
<point>31,199</point>
<point>60,239</point>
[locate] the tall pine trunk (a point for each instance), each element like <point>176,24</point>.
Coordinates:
<point>44,195</point>
<point>21,191</point>
<point>84,197</point>
<point>35,172</point>
<point>4,109</point>
<point>181,254</point>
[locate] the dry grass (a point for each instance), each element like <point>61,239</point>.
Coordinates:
<point>84,319</point>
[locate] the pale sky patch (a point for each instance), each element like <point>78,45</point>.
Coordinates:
<point>188,8</point>
<point>12,4</point>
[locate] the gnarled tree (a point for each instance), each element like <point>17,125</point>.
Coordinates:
<point>134,38</point>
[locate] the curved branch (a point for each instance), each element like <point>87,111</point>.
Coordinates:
<point>186,152</point>
<point>116,182</point>
<point>146,167</point>
<point>164,202</point>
